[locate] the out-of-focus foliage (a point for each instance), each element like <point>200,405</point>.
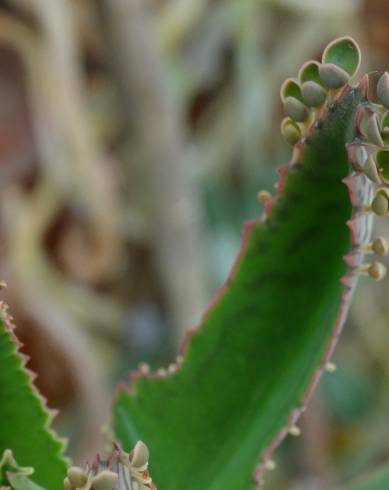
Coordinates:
<point>377,481</point>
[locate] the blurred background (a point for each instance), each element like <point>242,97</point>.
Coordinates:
<point>134,136</point>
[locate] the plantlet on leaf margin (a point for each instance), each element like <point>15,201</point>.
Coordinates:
<point>251,367</point>
<point>368,153</point>
<point>122,471</point>
<point>340,62</point>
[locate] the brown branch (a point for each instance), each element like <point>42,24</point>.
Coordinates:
<point>152,111</point>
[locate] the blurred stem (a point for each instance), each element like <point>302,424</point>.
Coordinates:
<point>250,30</point>
<point>69,150</point>
<point>178,18</point>
<point>54,305</point>
<point>30,216</point>
<point>153,113</point>
<point>26,219</point>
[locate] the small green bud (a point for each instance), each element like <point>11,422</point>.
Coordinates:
<point>373,131</point>
<point>291,88</point>
<point>140,455</point>
<point>330,367</point>
<point>293,100</point>
<point>370,170</point>
<point>343,52</point>
<point>380,246</point>
<point>313,93</point>
<point>67,485</point>
<point>295,109</point>
<point>333,76</point>
<point>172,368</point>
<point>270,465</point>
<point>380,204</point>
<point>377,271</point>
<point>383,89</point>
<point>144,368</point>
<point>309,72</point>
<point>105,480</point>
<point>264,196</point>
<point>291,131</point>
<point>294,430</point>
<point>77,476</point>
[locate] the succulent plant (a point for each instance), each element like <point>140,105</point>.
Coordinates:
<point>247,372</point>
<point>213,418</point>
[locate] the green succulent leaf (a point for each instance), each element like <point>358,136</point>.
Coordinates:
<point>15,476</point>
<point>309,72</point>
<point>248,367</point>
<point>344,53</point>
<point>291,88</point>
<point>290,130</point>
<point>25,420</point>
<point>22,482</point>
